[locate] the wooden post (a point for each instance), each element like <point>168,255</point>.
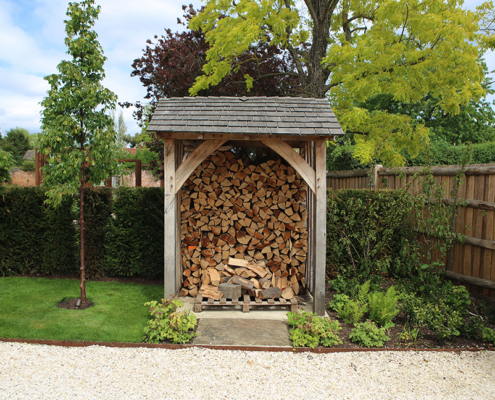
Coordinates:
<point>375,184</point>
<point>170,221</point>
<point>320,229</point>
<point>138,173</point>
<point>36,167</point>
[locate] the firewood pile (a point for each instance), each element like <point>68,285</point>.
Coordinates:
<point>246,225</point>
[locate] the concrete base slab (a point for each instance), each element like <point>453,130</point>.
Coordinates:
<point>266,313</point>
<point>242,332</point>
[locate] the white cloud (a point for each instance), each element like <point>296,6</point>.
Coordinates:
<point>32,36</point>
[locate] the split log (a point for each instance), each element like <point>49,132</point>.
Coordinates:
<point>243,222</point>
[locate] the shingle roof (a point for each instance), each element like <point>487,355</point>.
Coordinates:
<point>245,115</point>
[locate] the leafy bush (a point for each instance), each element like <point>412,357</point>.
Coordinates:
<point>28,165</point>
<point>443,320</point>
<point>308,330</point>
<point>168,324</point>
<point>364,231</point>
<point>383,307</point>
<point>489,335</point>
<point>368,334</point>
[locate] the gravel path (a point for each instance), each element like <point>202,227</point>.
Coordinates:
<point>50,372</point>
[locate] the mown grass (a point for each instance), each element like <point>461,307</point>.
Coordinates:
<point>28,310</point>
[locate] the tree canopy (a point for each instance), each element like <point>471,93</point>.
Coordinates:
<point>170,64</point>
<point>352,50</point>
<point>78,133</point>
<point>16,141</point>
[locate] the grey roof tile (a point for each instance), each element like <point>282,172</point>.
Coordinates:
<point>253,115</point>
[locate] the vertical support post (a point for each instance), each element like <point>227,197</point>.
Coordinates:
<point>138,173</point>
<point>375,183</point>
<point>170,222</point>
<point>320,227</point>
<point>36,167</point>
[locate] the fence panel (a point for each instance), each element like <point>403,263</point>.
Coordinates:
<point>474,258</point>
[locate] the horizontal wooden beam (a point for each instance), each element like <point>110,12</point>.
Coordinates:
<point>348,174</point>
<point>481,204</point>
<point>470,280</point>
<point>487,244</point>
<point>451,170</point>
<point>213,136</point>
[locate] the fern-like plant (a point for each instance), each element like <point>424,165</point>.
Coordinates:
<point>383,307</point>
<point>352,311</point>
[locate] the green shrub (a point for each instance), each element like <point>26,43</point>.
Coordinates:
<point>352,311</point>
<point>308,330</point>
<point>168,324</point>
<point>443,320</point>
<point>368,334</point>
<point>489,335</point>
<point>364,231</point>
<point>28,165</point>
<point>383,307</point>
<point>39,239</point>
<point>135,236</point>
<point>97,217</point>
<point>35,238</point>
<point>338,301</point>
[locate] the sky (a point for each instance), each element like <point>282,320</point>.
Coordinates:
<point>32,34</point>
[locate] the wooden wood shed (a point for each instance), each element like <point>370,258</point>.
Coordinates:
<point>296,129</point>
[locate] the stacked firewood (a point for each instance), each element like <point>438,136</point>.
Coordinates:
<point>243,222</point>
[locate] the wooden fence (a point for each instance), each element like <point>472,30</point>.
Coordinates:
<point>471,263</point>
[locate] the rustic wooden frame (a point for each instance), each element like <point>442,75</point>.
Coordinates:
<point>311,165</point>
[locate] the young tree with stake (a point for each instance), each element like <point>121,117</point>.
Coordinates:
<point>78,133</point>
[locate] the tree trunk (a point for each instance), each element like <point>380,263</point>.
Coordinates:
<point>81,227</point>
<point>317,75</point>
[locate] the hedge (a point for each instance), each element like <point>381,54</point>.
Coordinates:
<point>135,236</point>
<point>123,233</point>
<point>33,237</point>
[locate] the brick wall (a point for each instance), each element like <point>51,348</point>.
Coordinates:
<point>27,178</point>
<point>23,178</point>
<point>147,179</point>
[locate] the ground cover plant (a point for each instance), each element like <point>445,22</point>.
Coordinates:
<point>309,330</point>
<point>448,317</point>
<point>167,324</point>
<point>28,310</point>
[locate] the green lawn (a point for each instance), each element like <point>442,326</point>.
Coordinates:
<point>28,310</point>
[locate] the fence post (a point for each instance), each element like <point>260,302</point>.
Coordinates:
<point>375,183</point>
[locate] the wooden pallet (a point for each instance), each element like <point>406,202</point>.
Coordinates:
<point>246,303</point>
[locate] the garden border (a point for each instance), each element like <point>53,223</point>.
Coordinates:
<point>169,346</point>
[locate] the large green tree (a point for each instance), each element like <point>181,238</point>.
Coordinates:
<point>351,50</point>
<point>78,133</point>
<point>16,141</point>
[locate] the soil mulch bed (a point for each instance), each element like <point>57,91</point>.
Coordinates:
<point>427,340</point>
<point>71,304</point>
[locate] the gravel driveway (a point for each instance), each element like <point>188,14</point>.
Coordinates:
<point>49,372</point>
